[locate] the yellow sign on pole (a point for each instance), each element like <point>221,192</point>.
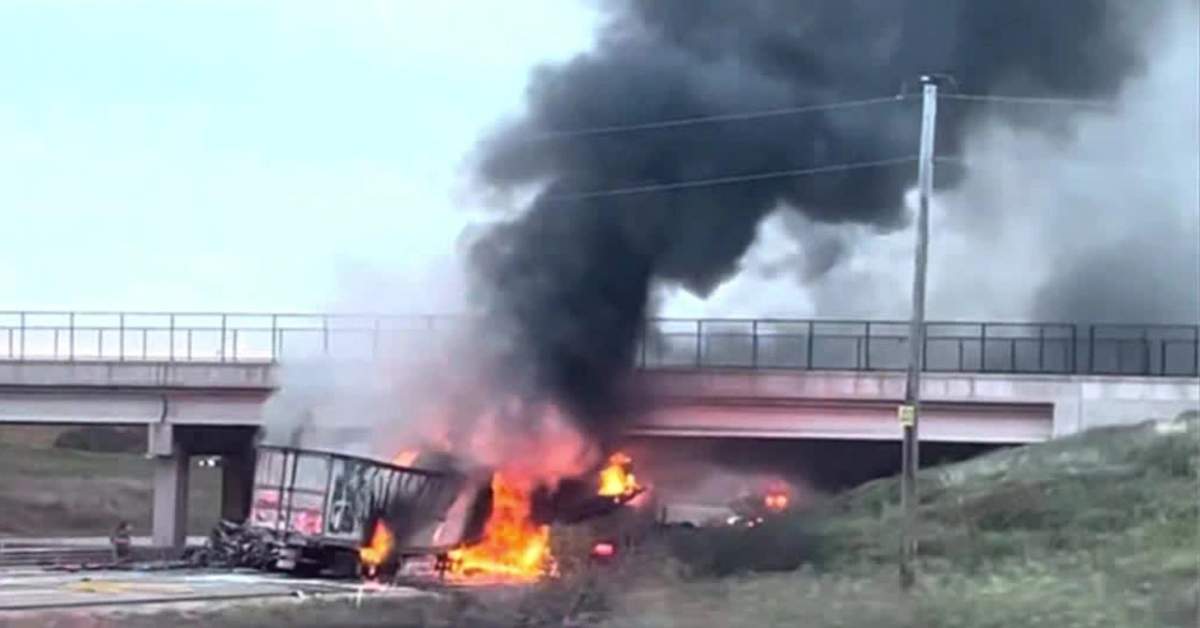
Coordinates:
<point>907,415</point>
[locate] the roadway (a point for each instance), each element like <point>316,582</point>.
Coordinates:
<point>194,597</point>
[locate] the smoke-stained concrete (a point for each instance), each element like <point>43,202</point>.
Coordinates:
<point>567,280</point>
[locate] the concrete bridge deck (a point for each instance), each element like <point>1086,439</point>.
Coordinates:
<point>960,407</point>
<point>957,407</point>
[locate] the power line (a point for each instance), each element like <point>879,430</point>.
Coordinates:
<point>720,117</point>
<point>1029,100</point>
<point>1125,169</point>
<point>744,178</point>
<point>668,123</point>
<point>1004,160</point>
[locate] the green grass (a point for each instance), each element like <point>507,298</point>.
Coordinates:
<point>1101,529</point>
<point>1082,493</point>
<point>49,492</point>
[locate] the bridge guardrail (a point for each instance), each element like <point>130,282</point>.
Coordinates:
<point>1046,348</point>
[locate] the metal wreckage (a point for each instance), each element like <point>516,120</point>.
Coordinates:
<point>339,515</point>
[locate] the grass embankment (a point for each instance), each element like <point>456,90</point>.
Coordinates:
<point>45,491</point>
<point>1101,529</point>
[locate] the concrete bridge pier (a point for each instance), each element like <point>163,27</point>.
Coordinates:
<point>171,448</point>
<point>170,505</point>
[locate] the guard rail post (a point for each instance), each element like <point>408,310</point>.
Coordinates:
<point>754,344</point>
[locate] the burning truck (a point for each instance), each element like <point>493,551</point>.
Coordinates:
<point>320,512</point>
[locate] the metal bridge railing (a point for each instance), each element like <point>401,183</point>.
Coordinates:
<point>1047,348</point>
<point>1034,348</point>
<point>204,337</point>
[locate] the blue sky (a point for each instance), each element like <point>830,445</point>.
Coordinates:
<point>257,156</point>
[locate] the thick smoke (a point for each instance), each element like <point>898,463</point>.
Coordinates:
<point>1100,225</point>
<point>1130,250</point>
<point>568,280</point>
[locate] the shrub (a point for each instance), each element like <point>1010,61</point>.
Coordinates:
<point>781,544</point>
<point>103,439</point>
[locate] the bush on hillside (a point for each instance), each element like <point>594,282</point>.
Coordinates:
<point>782,544</point>
<point>103,439</point>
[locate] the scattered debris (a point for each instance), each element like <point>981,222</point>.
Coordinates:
<point>233,544</point>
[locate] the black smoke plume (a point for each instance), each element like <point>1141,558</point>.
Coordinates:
<point>568,279</point>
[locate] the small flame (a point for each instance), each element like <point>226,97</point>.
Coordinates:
<point>405,458</point>
<point>775,503</point>
<point>603,550</point>
<point>616,480</point>
<point>513,546</point>
<point>377,551</point>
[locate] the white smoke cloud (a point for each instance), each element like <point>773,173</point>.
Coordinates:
<point>419,380</point>
<point>379,376</point>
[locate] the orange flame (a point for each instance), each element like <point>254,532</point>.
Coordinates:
<point>776,502</point>
<point>616,480</point>
<point>777,498</point>
<point>405,458</point>
<point>513,546</point>
<point>379,548</point>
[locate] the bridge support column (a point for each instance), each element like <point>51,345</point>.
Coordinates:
<point>169,518</point>
<point>237,478</point>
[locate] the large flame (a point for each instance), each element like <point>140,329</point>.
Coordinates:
<point>513,546</point>
<point>376,552</point>
<point>616,480</point>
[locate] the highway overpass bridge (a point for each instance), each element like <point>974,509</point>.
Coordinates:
<point>199,381</point>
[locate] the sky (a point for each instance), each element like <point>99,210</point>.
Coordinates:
<point>306,156</point>
<point>251,156</point>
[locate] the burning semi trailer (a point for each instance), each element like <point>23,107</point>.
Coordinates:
<point>319,512</point>
<point>424,514</point>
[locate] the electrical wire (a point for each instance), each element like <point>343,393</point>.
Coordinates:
<point>720,117</point>
<point>670,123</point>
<point>768,113</point>
<point>729,180</point>
<point>1028,100</point>
<point>1131,169</point>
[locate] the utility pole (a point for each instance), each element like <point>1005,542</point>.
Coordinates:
<point>909,413</point>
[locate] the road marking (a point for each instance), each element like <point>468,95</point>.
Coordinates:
<point>21,592</point>
<point>110,586</point>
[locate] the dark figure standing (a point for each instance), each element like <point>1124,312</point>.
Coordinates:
<point>121,542</point>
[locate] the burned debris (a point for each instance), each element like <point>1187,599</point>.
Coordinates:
<point>232,544</point>
<point>578,499</point>
<point>338,515</point>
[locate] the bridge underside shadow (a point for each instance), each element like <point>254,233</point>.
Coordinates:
<point>823,465</point>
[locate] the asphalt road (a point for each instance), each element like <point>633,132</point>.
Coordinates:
<point>153,596</point>
<point>32,589</point>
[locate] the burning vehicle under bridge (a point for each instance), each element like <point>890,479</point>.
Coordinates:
<point>318,512</point>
